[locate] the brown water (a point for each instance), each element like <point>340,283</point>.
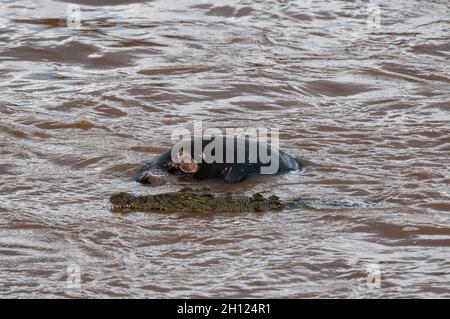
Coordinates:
<point>366,109</point>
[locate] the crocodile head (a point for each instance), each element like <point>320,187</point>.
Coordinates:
<point>121,200</point>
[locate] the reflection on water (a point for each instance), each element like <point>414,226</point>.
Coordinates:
<point>364,104</point>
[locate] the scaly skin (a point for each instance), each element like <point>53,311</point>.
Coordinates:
<point>188,200</point>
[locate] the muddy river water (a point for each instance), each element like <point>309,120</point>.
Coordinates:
<point>359,90</point>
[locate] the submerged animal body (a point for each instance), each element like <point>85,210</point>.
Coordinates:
<point>199,158</point>
<point>187,200</point>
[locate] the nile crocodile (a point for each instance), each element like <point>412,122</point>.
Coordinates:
<point>205,200</point>
<point>189,200</point>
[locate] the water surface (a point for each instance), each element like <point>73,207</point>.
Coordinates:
<point>365,108</point>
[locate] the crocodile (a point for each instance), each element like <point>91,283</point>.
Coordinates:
<point>206,200</point>
<point>189,200</point>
